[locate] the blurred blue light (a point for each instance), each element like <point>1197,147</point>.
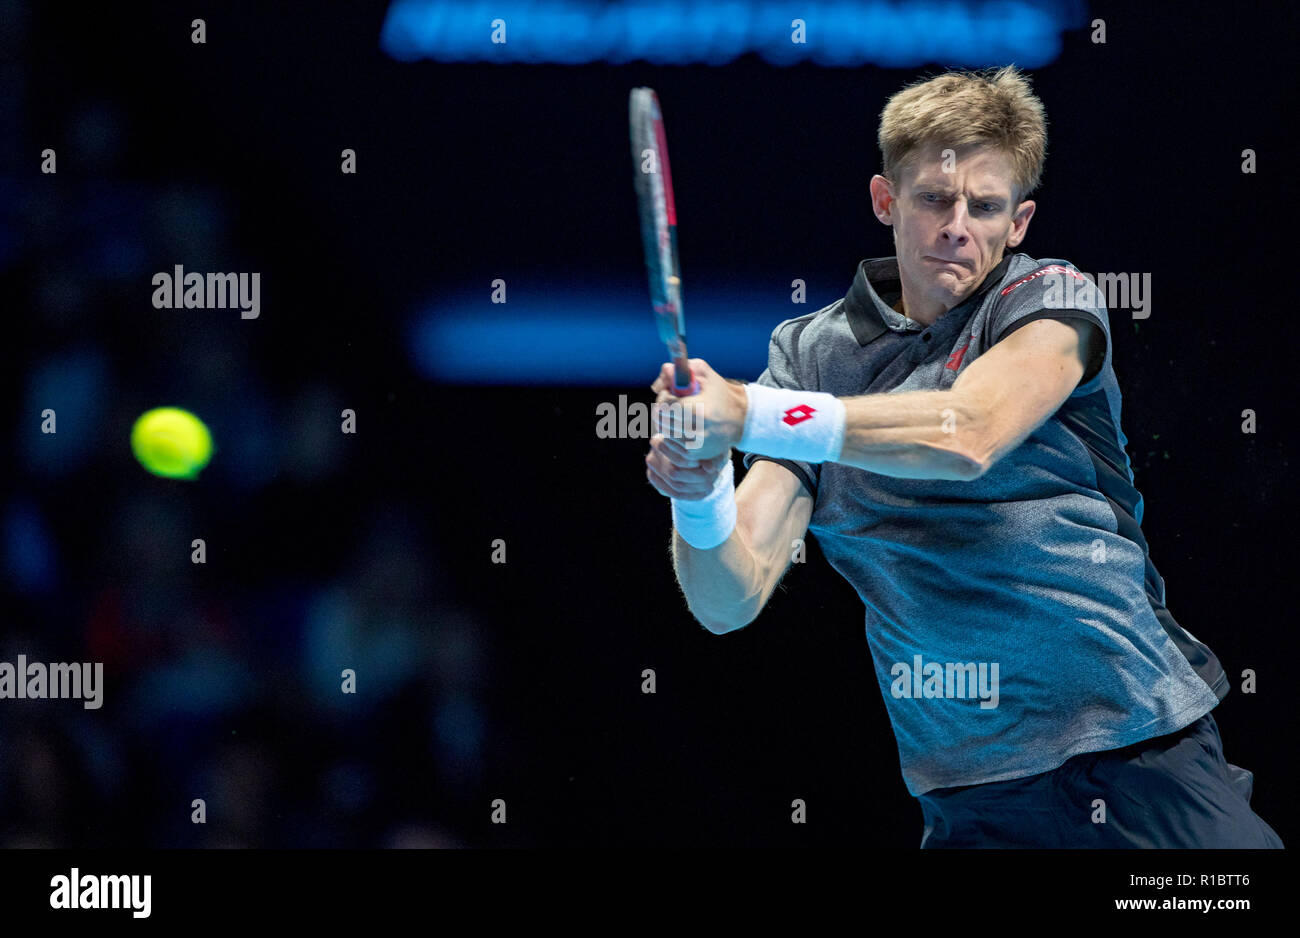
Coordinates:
<point>547,335</point>
<point>715,32</point>
<point>29,550</point>
<point>75,385</point>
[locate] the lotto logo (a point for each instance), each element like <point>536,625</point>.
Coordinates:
<point>798,414</point>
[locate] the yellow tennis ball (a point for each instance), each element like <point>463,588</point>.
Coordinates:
<point>171,442</point>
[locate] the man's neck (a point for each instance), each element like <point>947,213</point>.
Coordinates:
<point>924,317</point>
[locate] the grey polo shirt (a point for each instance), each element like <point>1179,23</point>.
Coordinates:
<point>1014,620</point>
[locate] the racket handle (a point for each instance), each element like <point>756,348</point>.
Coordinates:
<point>684,383</point>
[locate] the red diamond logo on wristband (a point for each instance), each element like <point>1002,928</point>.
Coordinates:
<point>798,414</point>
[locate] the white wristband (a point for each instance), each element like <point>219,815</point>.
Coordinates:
<point>707,522</point>
<point>803,425</point>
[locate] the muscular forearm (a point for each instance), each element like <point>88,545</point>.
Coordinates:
<point>913,435</point>
<point>907,434</point>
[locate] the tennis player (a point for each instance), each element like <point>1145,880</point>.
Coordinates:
<point>950,432</point>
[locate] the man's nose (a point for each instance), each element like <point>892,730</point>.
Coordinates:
<point>955,229</point>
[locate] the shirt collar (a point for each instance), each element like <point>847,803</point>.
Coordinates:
<point>868,304</point>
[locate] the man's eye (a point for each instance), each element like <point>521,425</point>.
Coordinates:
<point>930,196</point>
<point>987,207</point>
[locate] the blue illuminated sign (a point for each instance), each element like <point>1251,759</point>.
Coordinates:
<point>603,335</point>
<point>715,32</point>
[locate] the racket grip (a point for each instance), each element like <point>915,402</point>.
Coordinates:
<point>684,383</point>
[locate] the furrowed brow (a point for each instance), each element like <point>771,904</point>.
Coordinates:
<point>942,187</point>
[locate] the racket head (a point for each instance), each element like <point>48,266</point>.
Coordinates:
<point>657,211</point>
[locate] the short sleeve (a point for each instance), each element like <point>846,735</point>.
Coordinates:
<point>1055,291</point>
<point>782,372</point>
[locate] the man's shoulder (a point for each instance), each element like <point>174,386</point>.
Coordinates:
<point>1036,288</point>
<point>1024,269</point>
<point>799,330</point>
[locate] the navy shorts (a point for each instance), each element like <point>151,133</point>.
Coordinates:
<point>1170,791</point>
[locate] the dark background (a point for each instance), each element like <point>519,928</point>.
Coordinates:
<point>521,680</point>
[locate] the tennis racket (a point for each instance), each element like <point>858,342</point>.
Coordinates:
<point>658,214</point>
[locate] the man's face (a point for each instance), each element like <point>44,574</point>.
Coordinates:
<point>950,228</point>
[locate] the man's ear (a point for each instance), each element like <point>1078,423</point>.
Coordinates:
<point>1020,224</point>
<point>882,199</point>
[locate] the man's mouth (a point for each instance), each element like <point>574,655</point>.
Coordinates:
<point>944,260</point>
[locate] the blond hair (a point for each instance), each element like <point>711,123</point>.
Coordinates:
<point>967,108</point>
